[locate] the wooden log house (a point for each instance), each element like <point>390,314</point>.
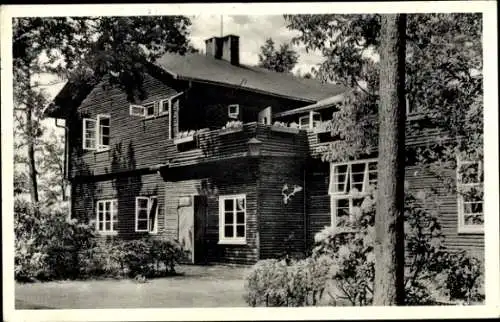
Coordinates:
<point>221,156</point>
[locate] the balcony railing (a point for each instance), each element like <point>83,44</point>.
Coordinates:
<point>233,142</point>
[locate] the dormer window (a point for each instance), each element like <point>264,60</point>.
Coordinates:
<point>151,109</point>
<point>155,108</point>
<point>233,111</point>
<point>96,133</point>
<point>304,122</point>
<point>309,121</point>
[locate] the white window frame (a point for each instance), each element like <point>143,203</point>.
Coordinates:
<point>344,195</point>
<point>149,204</point>
<point>155,105</point>
<point>161,112</point>
<point>132,110</point>
<point>97,138</point>
<point>113,209</point>
<point>310,117</point>
<point>304,126</point>
<point>231,240</point>
<point>85,140</point>
<point>233,115</point>
<point>462,227</point>
<point>100,146</point>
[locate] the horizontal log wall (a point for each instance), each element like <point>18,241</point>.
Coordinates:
<point>135,142</point>
<point>216,146</point>
<point>418,181</point>
<point>281,225</point>
<point>233,177</point>
<point>125,189</point>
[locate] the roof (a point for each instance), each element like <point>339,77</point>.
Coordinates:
<point>207,69</point>
<point>203,68</point>
<point>325,103</point>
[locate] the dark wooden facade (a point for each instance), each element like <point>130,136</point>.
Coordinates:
<point>418,181</point>
<point>146,159</point>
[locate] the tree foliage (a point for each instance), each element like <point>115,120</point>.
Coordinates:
<point>281,60</point>
<point>443,77</point>
<point>82,50</point>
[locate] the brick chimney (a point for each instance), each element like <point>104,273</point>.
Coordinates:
<point>213,47</point>
<point>227,48</point>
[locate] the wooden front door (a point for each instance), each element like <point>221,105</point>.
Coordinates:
<point>192,214</point>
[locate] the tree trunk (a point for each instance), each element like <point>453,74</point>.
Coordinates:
<point>30,138</point>
<point>389,219</point>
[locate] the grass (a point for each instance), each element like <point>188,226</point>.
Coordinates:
<point>195,286</point>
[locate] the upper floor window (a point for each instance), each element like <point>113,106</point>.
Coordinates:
<point>151,109</point>
<point>96,133</point>
<point>470,196</point>
<point>309,121</point>
<point>146,214</point>
<point>350,184</point>
<point>107,216</point>
<point>233,111</point>
<point>155,108</point>
<point>232,219</point>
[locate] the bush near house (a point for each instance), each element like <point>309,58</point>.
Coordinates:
<point>48,246</point>
<point>340,269</point>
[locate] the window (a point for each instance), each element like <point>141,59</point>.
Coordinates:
<point>107,216</point>
<point>103,132</point>
<point>316,119</point>
<point>309,121</point>
<point>151,109</point>
<point>137,110</point>
<point>232,219</point>
<point>96,133</point>
<point>165,107</point>
<point>470,196</point>
<point>350,183</point>
<point>233,111</point>
<point>146,214</point>
<point>304,122</point>
<point>89,134</point>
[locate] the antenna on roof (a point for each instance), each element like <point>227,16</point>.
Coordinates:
<point>221,26</point>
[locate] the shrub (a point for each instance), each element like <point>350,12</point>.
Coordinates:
<point>288,283</point>
<point>47,244</point>
<point>267,283</point>
<point>166,252</point>
<point>427,259</point>
<point>345,258</point>
<point>137,257</point>
<point>463,279</point>
<point>104,259</point>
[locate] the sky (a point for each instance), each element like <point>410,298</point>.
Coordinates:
<point>253,31</point>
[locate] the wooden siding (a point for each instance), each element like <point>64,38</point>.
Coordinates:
<point>125,190</point>
<point>232,177</point>
<point>135,142</point>
<point>317,148</point>
<point>281,225</point>
<point>418,182</point>
<point>213,146</point>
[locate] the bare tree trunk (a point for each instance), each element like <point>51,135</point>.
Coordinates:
<point>389,220</point>
<point>30,138</point>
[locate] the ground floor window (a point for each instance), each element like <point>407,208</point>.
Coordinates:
<point>107,216</point>
<point>232,219</point>
<point>470,196</point>
<point>350,183</point>
<point>146,214</point>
